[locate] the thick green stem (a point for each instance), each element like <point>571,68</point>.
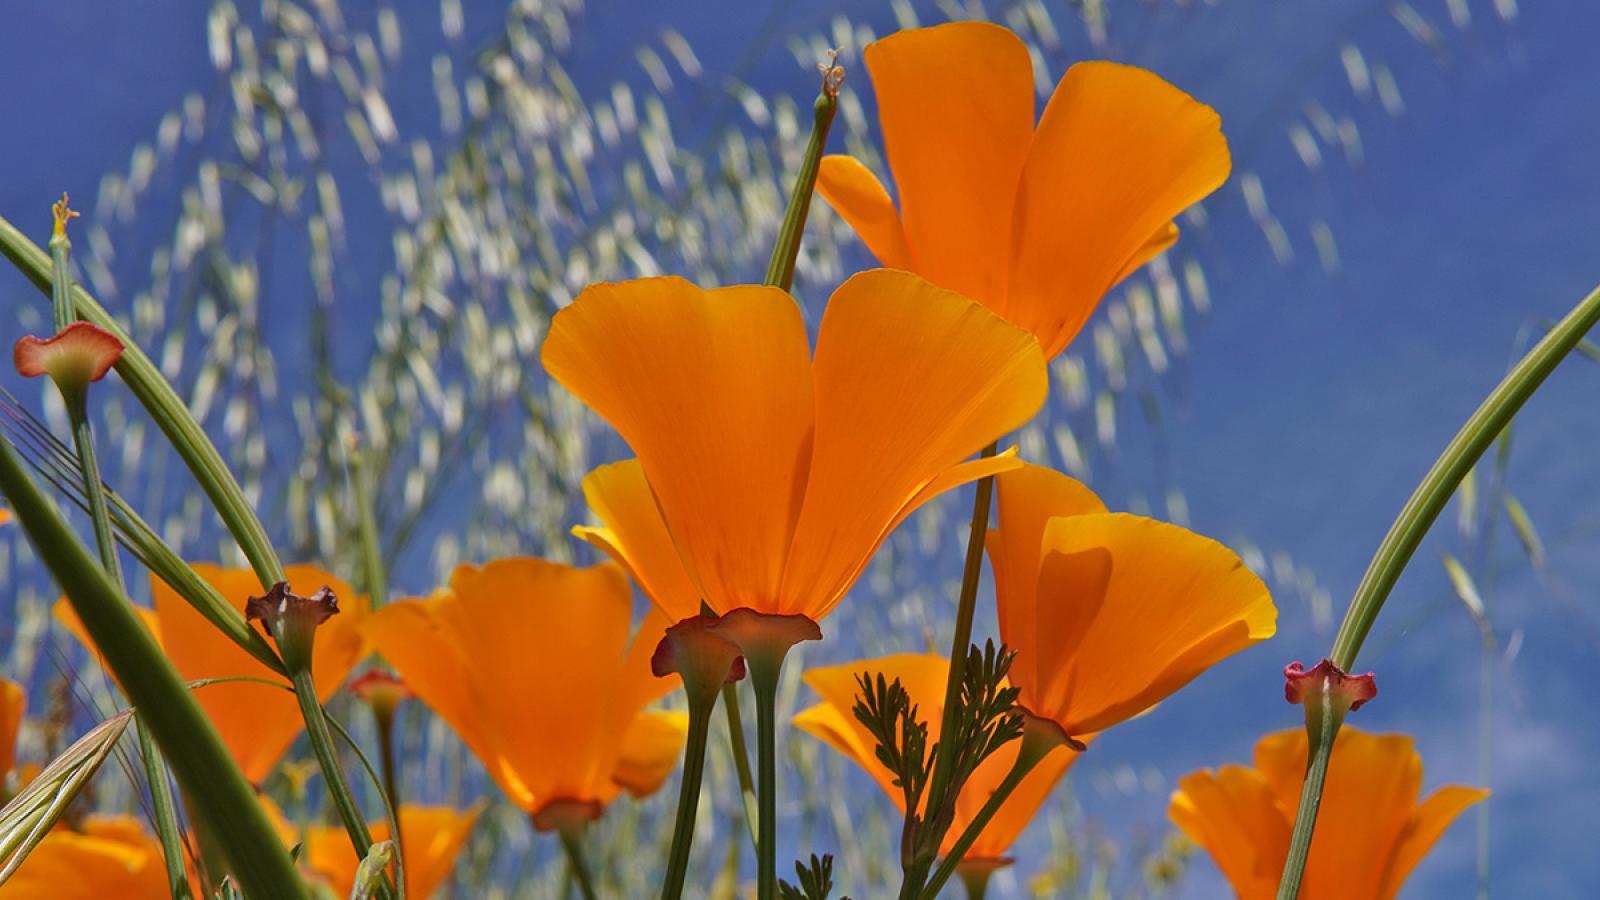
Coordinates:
<point>764,674</point>
<point>572,844</point>
<point>976,881</point>
<point>165,407</point>
<point>207,773</point>
<point>966,608</point>
<point>327,753</point>
<point>694,761</point>
<point>1036,744</point>
<point>391,785</point>
<point>1405,535</point>
<point>780,268</point>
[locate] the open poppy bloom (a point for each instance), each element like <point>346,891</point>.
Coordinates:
<point>767,476</point>
<point>109,856</point>
<point>923,676</point>
<point>13,704</point>
<point>532,664</point>
<point>1371,831</point>
<point>433,837</point>
<point>1034,222</point>
<point>257,723</point>
<point>1109,613</point>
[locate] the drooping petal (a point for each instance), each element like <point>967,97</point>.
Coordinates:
<point>635,536</point>
<point>1173,603</point>
<point>1233,814</point>
<point>82,352</point>
<point>956,105</point>
<point>1028,498</point>
<point>13,704</point>
<point>910,381</point>
<point>1423,829</point>
<point>1118,154</point>
<point>713,391</point>
<point>860,199</point>
<point>650,751</point>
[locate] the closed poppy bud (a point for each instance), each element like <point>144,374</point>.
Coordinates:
<point>79,354</point>
<point>292,620</point>
<point>381,690</point>
<point>1348,691</point>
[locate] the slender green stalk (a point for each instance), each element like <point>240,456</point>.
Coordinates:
<point>1404,536</point>
<point>741,758</point>
<point>780,268</point>
<point>976,881</point>
<point>375,580</point>
<point>694,761</point>
<point>966,608</point>
<point>1487,653</point>
<point>764,674</point>
<point>391,785</point>
<point>165,407</point>
<point>225,801</point>
<point>321,739</point>
<point>577,869</point>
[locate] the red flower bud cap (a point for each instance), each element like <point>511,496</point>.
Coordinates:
<point>1304,685</point>
<point>81,353</point>
<point>381,688</point>
<point>693,650</point>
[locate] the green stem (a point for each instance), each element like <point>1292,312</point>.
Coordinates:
<point>1406,534</point>
<point>694,761</point>
<point>764,673</point>
<point>327,753</point>
<point>165,407</point>
<point>966,608</point>
<point>571,842</point>
<point>204,768</point>
<point>741,757</point>
<point>164,810</point>
<point>780,268</point>
<point>1326,728</point>
<point>391,786</point>
<point>976,882</point>
<point>375,578</point>
<point>1035,747</point>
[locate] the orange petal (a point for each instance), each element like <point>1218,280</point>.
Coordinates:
<point>1173,603</point>
<point>1159,243</point>
<point>956,105</point>
<point>859,198</point>
<point>1118,154</point>
<point>111,857</point>
<point>433,838</point>
<point>1424,828</point>
<point>650,751</point>
<point>13,703</point>
<point>911,380</point>
<point>1233,814</point>
<point>635,536</point>
<point>712,390</point>
<point>1028,498</point>
<point>82,352</point>
<point>1014,815</point>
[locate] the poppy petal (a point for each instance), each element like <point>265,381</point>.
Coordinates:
<point>1233,814</point>
<point>636,537</point>
<point>860,199</point>
<point>13,703</point>
<point>956,105</point>
<point>712,390</point>
<point>1426,825</point>
<point>650,751</point>
<point>1129,152</point>
<point>1159,243</point>
<point>910,381</point>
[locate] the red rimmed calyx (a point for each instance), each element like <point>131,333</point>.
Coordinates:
<point>704,659</point>
<point>1326,689</point>
<point>764,638</point>
<point>381,690</point>
<point>292,620</point>
<point>80,354</point>
<point>566,815</point>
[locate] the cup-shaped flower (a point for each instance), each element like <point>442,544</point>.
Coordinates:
<point>81,353</point>
<point>13,704</point>
<point>923,676</point>
<point>381,690</point>
<point>257,722</point>
<point>1109,613</point>
<point>1036,222</point>
<point>107,856</point>
<point>1371,831</point>
<point>535,666</point>
<point>431,835</point>
<point>767,476</point>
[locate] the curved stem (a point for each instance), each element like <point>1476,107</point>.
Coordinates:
<point>694,761</point>
<point>1036,745</point>
<point>741,758</point>
<point>1305,820</point>
<point>764,679</point>
<point>321,738</point>
<point>571,843</point>
<point>780,268</point>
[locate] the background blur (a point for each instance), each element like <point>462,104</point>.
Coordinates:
<point>336,217</point>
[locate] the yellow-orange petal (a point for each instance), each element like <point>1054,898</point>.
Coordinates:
<point>13,704</point>
<point>1423,829</point>
<point>636,537</point>
<point>956,105</point>
<point>1172,604</point>
<point>860,199</point>
<point>1118,154</point>
<point>650,751</point>
<point>910,380</point>
<point>1159,243</point>
<point>111,857</point>
<point>433,837</point>
<point>1028,498</point>
<point>1233,814</point>
<point>1014,815</point>
<point>712,390</point>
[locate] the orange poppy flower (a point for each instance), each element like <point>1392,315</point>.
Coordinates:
<point>111,856</point>
<point>433,838</point>
<point>1371,831</point>
<point>1108,612</point>
<point>923,676</point>
<point>257,723</point>
<point>767,476</point>
<point>532,664</point>
<point>13,704</point>
<point>1034,222</point>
